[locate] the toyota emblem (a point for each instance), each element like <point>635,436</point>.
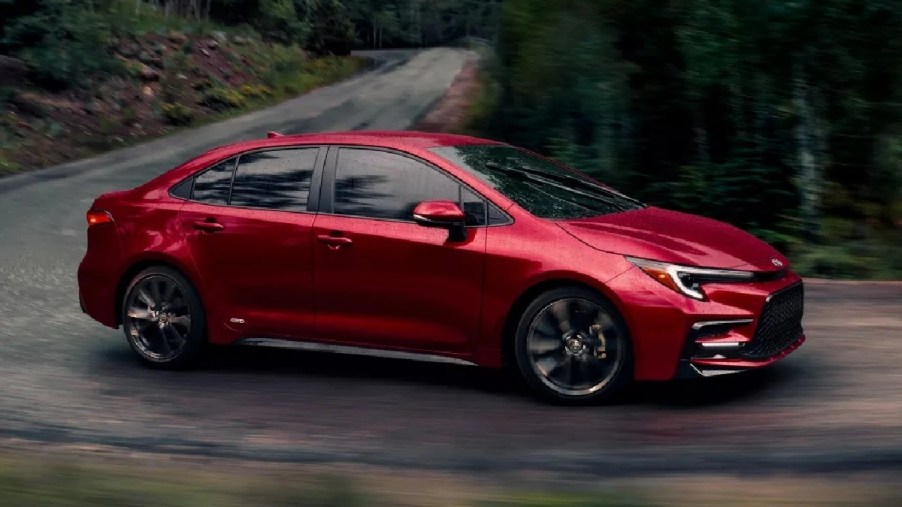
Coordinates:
<point>777,262</point>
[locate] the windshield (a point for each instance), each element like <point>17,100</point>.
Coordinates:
<point>538,185</point>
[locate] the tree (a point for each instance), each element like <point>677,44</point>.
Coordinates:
<point>331,28</point>
<point>61,42</point>
<point>766,114</point>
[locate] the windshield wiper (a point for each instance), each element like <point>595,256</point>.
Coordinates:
<point>597,191</point>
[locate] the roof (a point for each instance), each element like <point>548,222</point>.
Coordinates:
<point>396,139</point>
<point>402,140</point>
<point>393,138</point>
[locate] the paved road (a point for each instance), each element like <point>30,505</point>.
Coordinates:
<point>835,404</point>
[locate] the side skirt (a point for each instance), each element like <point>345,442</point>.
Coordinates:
<point>346,349</point>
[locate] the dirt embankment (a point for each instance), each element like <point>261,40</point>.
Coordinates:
<point>449,114</point>
<point>164,81</point>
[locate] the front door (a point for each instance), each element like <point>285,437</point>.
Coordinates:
<point>380,278</point>
<point>251,236</point>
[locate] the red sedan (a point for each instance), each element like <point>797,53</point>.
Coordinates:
<point>436,247</point>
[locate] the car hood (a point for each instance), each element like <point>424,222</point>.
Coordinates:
<point>680,238</point>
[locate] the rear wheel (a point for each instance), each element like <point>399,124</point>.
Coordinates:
<point>573,347</point>
<point>163,318</point>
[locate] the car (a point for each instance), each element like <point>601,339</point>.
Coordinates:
<point>437,247</point>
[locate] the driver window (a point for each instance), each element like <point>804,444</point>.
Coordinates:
<point>379,184</point>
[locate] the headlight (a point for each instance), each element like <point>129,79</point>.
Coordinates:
<point>688,280</point>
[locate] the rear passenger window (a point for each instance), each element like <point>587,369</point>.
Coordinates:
<point>276,179</point>
<point>183,189</point>
<point>212,186</point>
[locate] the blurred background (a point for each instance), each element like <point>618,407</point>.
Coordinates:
<point>782,117</point>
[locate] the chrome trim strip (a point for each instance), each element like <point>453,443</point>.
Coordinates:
<point>713,373</point>
<point>706,323</point>
<point>346,349</point>
<point>721,345</point>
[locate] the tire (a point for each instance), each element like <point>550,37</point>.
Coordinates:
<point>163,319</point>
<point>573,347</point>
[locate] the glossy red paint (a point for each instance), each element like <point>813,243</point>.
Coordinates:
<point>439,211</point>
<point>397,285</point>
<point>744,364</point>
<point>671,236</point>
<point>254,260</point>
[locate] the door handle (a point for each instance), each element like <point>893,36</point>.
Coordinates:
<point>208,225</point>
<point>335,242</point>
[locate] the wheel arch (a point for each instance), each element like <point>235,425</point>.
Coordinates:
<point>533,291</point>
<point>140,264</point>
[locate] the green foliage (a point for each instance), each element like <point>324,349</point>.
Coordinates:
<point>288,70</point>
<point>175,85</point>
<point>77,485</point>
<point>132,68</point>
<point>279,61</point>
<point>177,114</point>
<point>835,261</point>
<point>710,106</point>
<point>416,23</point>
<point>223,99</point>
<point>852,249</point>
<point>739,191</point>
<point>62,43</point>
<point>8,166</point>
<point>331,28</point>
<point>568,499</point>
<point>67,39</point>
<point>278,20</point>
<point>255,92</point>
<point>884,187</point>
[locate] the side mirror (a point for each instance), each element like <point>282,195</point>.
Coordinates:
<point>443,215</point>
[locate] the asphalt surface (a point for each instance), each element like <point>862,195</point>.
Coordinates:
<point>836,404</point>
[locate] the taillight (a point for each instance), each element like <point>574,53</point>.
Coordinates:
<point>96,217</point>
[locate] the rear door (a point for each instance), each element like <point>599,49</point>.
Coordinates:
<point>381,279</point>
<point>249,226</point>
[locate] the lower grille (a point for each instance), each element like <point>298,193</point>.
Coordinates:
<point>780,323</point>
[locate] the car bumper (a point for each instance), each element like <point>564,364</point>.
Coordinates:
<point>96,294</point>
<point>97,275</point>
<point>739,327</point>
<point>722,365</point>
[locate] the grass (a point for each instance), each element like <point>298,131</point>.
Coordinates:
<point>110,478</point>
<point>152,483</point>
<point>76,484</point>
<point>565,498</point>
<point>8,167</point>
<point>284,85</point>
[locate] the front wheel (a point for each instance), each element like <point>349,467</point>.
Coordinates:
<point>163,318</point>
<point>573,347</point>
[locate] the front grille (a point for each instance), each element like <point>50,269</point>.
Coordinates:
<point>780,323</point>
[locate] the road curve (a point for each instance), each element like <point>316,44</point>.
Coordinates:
<point>836,404</point>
